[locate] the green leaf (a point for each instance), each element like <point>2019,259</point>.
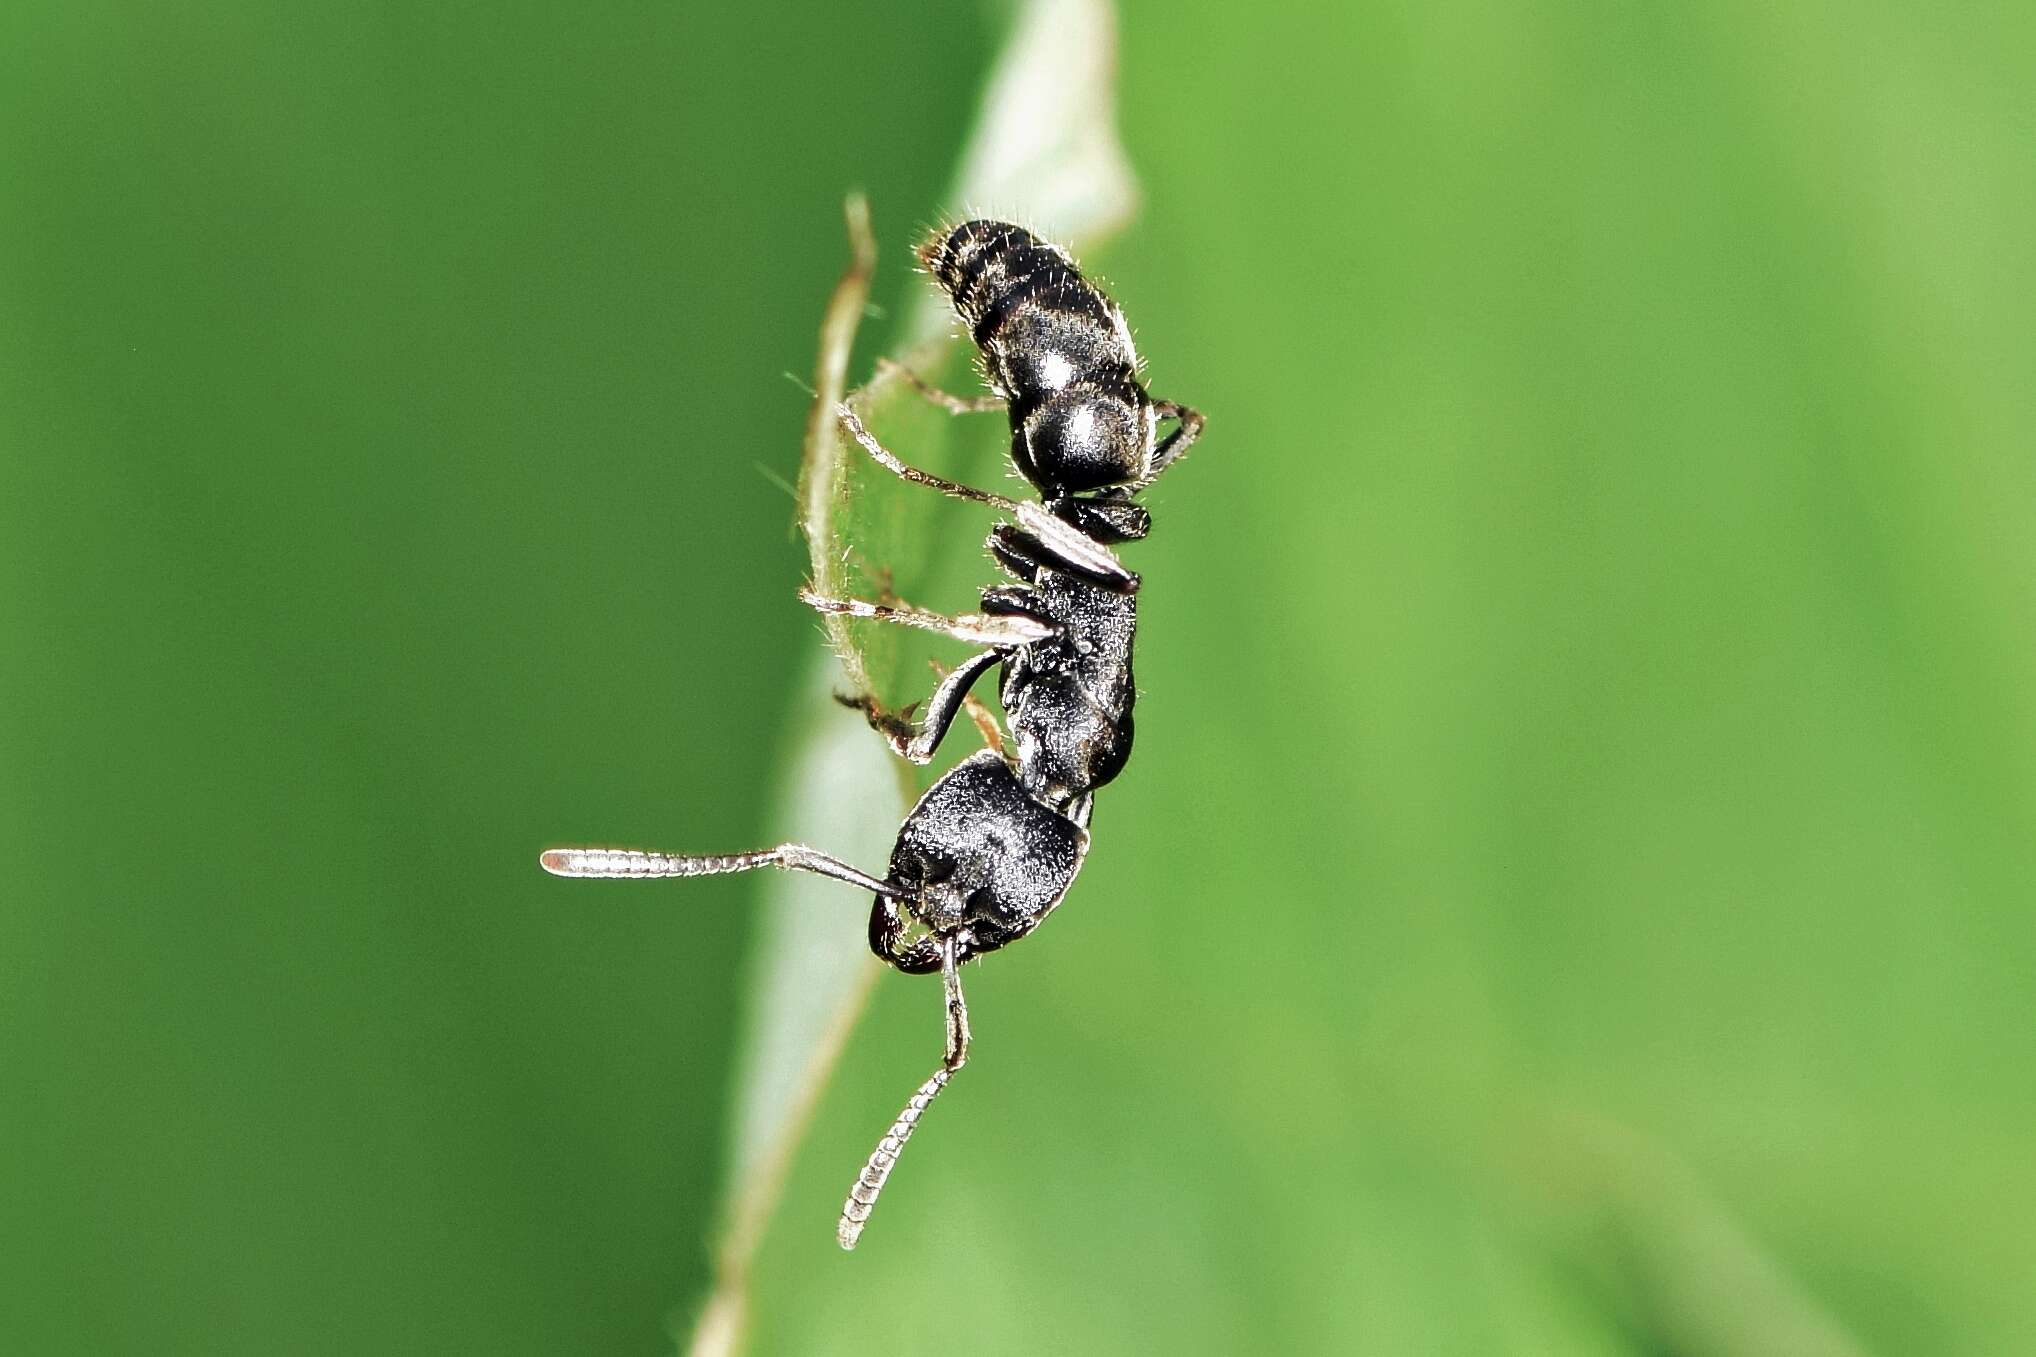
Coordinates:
<point>1044,151</point>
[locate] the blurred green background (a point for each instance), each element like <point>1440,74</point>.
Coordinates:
<point>1573,892</point>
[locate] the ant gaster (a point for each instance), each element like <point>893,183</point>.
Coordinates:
<point>993,845</point>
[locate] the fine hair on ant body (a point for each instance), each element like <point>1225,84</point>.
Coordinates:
<point>993,845</point>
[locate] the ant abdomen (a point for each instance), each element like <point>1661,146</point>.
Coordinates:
<point>1057,349</point>
<point>1084,438</point>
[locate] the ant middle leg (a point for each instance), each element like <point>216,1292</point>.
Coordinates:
<point>1002,630</point>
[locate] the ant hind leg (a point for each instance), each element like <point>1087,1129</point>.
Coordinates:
<point>1082,552</point>
<point>947,400</point>
<point>1171,448</point>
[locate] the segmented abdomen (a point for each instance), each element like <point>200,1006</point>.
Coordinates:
<point>1041,326</point>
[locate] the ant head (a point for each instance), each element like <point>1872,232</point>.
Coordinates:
<point>1085,439</point>
<point>978,852</point>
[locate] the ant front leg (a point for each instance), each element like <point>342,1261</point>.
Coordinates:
<point>949,698</point>
<point>985,720</point>
<point>862,1197</point>
<point>953,404</point>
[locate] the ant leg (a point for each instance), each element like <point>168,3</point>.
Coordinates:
<point>1175,444</point>
<point>1081,810</point>
<point>1073,550</point>
<point>888,460</point>
<point>1083,552</point>
<point>950,697</point>
<point>896,727</point>
<point>1011,563</point>
<point>1014,545</point>
<point>625,862</point>
<point>986,725</point>
<point>953,404</point>
<point>862,1197</point>
<point>1004,630</point>
<point>984,719</point>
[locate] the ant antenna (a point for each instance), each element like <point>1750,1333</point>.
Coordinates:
<point>862,1197</point>
<point>627,862</point>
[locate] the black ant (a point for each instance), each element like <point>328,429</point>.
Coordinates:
<point>993,845</point>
